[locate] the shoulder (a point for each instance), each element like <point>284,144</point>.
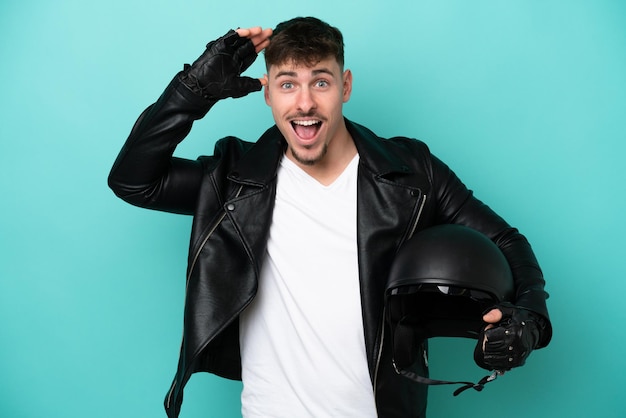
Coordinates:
<point>255,158</point>
<point>399,144</point>
<point>226,153</point>
<point>395,153</point>
<point>232,145</point>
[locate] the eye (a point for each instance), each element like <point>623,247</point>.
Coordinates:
<point>286,85</point>
<point>321,83</point>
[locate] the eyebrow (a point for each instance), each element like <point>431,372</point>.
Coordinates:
<point>315,72</point>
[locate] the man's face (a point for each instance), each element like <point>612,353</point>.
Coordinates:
<point>307,107</point>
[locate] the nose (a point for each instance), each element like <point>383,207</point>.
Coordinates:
<point>306,100</point>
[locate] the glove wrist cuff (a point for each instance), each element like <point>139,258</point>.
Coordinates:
<point>194,98</point>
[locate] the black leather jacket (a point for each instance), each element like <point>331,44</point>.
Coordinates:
<point>402,188</point>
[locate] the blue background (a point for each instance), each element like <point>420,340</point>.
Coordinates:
<point>524,99</point>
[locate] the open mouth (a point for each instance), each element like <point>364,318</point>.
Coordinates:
<point>306,129</point>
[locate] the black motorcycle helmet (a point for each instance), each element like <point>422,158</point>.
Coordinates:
<point>441,283</point>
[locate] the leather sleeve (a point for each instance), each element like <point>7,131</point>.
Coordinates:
<point>145,172</point>
<point>457,204</point>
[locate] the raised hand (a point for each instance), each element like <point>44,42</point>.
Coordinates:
<point>216,74</point>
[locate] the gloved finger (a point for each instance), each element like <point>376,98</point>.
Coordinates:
<point>242,86</point>
<point>496,338</point>
<point>505,347</point>
<point>262,40</point>
<point>494,352</point>
<point>245,55</point>
<point>479,351</point>
<point>258,36</point>
<point>249,32</point>
<point>232,39</point>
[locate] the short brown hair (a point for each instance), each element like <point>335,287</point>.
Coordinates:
<point>304,40</point>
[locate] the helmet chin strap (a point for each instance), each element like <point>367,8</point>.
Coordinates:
<point>403,338</point>
<point>478,386</point>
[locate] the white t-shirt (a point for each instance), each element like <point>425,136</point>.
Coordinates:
<point>302,342</point>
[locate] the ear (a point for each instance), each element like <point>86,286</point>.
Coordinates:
<point>347,85</point>
<point>266,91</point>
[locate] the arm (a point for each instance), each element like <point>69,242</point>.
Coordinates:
<point>145,172</point>
<point>527,315</point>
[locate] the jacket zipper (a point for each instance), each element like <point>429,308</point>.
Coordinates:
<point>417,218</point>
<point>208,235</point>
<point>191,267</point>
<point>380,353</point>
<point>382,331</point>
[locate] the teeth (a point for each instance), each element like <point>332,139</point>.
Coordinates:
<point>305,122</point>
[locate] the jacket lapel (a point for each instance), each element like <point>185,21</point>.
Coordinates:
<point>389,198</point>
<point>251,209</point>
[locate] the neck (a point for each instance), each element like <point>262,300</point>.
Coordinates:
<point>341,151</point>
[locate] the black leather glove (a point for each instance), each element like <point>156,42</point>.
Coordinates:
<point>216,73</point>
<point>510,341</point>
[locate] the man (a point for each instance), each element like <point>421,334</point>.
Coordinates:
<point>293,235</point>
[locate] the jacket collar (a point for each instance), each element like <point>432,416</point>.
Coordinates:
<point>260,164</point>
<point>374,152</point>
